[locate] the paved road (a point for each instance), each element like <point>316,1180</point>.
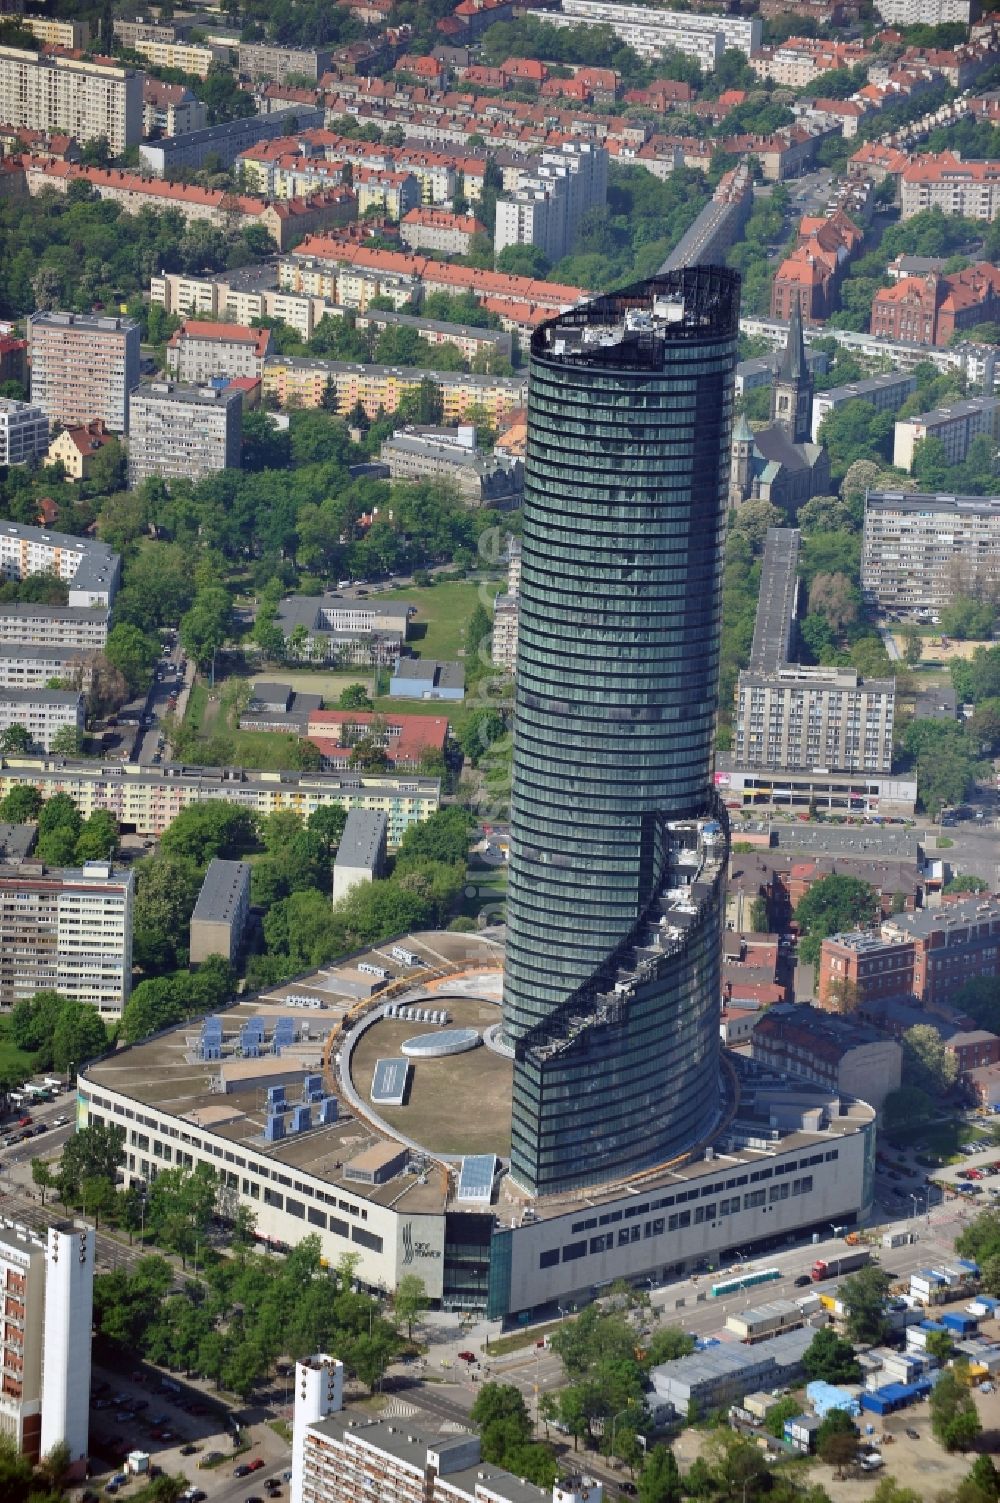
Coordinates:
<point>168,679</point>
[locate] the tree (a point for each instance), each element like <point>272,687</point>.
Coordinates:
<point>660,1481</point>
<point>939,1346</point>
<point>166,890</point>
<point>134,653</point>
<point>830,1358</point>
<point>913,645</point>
<point>784,1409</point>
<point>98,837</point>
<point>14,741</point>
<point>666,1344</point>
<point>831,905</point>
<point>79,1035</point>
<point>354,697</point>
<point>410,1300</point>
<point>927,1064</point>
<point>906,1109</point>
<point>95,1152</point>
<point>42,1176</point>
<point>864,1295</point>
<point>983,1482</point>
<point>205,627</point>
<point>203,831</point>
<point>21,805</point>
<point>954,1417</point>
<point>759,919</point>
<point>67,741</point>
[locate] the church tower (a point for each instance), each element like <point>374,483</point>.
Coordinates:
<point>791,395</point>
<point>741,462</point>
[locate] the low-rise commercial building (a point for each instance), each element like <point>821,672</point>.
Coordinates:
<point>47,1283</point>
<point>68,931</point>
<point>954,426</point>
<point>83,366</point>
<point>425,678</point>
<point>24,432</point>
<point>183,432</point>
<point>919,550</point>
<point>331,629</point>
<point>361,853</point>
<point>219,920</point>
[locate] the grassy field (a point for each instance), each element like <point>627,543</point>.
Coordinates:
<point>945,1139</point>
<point>443,611</point>
<point>14,1062</point>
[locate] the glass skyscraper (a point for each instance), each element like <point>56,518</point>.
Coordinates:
<point>617,849</point>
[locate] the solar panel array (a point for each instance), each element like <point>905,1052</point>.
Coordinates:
<point>390,1081</point>
<point>476,1179</point>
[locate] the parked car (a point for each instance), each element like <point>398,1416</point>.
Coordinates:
<point>912,1434</point>
<point>256,1464</point>
<point>803,1281</point>
<point>242,1470</point>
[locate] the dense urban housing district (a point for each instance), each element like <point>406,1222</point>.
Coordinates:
<point>500,751</point>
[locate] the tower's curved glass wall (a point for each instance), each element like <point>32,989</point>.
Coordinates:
<point>626,481</point>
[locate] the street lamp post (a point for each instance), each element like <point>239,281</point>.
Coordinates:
<point>614,1423</point>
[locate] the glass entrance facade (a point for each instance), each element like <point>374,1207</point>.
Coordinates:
<point>626,482</point>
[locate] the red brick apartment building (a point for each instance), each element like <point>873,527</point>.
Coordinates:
<point>930,309</point>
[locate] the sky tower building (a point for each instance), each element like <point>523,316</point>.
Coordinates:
<point>611,983</point>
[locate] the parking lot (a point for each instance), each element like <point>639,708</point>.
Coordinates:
<point>184,1433</point>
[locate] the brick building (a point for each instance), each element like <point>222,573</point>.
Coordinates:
<point>798,1040</point>
<point>930,309</point>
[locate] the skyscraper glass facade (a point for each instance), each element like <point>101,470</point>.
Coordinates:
<point>611,991</point>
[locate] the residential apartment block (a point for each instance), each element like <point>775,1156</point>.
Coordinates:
<point>791,717</point>
<point>926,955</point>
<point>47,1284</point>
<point>269,60</point>
<point>24,432</point>
<point>954,427</point>
<point>219,920</point>
<point>551,199</point>
<point>25,665</point>
<point>921,550</point>
<point>83,366</point>
<point>361,853</point>
<point>224,141</point>
<point>927,12</point>
<point>86,99</point>
<point>427,228</point>
<point>199,351</point>
<point>183,432</point>
<point>186,57</point>
<point>171,109</point>
<point>43,713</point>
<point>945,182</point>
<point>73,35</point>
<point>90,568</point>
<point>145,799</point>
<point>504,643</point>
<point>68,931</point>
<point>652,32</point>
<point>885,393</point>
<point>304,381</point>
<point>805,717</point>
<point>53,626</point>
<point>450,454</point>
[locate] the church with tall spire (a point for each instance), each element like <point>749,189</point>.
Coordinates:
<point>779,463</point>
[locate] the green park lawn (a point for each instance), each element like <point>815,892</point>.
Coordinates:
<point>14,1062</point>
<point>443,611</point>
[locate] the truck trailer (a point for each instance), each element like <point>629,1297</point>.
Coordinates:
<point>832,1268</point>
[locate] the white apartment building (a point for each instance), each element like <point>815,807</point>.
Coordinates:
<point>800,717</point>
<point>652,32</point>
<point>31,666</point>
<point>45,1339</point>
<point>954,426</point>
<point>926,12</point>
<point>171,109</point>
<point>919,550</point>
<point>87,100</point>
<point>970,189</point>
<point>183,432</point>
<point>885,393</point>
<point>551,199</point>
<point>83,366</point>
<point>188,57</point>
<point>200,352</point>
<point>361,853</point>
<point>43,713</point>
<point>24,432</point>
<point>72,34</point>
<point>67,930</point>
<point>54,626</point>
<point>279,64</point>
<point>90,568</point>
<point>504,648</point>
